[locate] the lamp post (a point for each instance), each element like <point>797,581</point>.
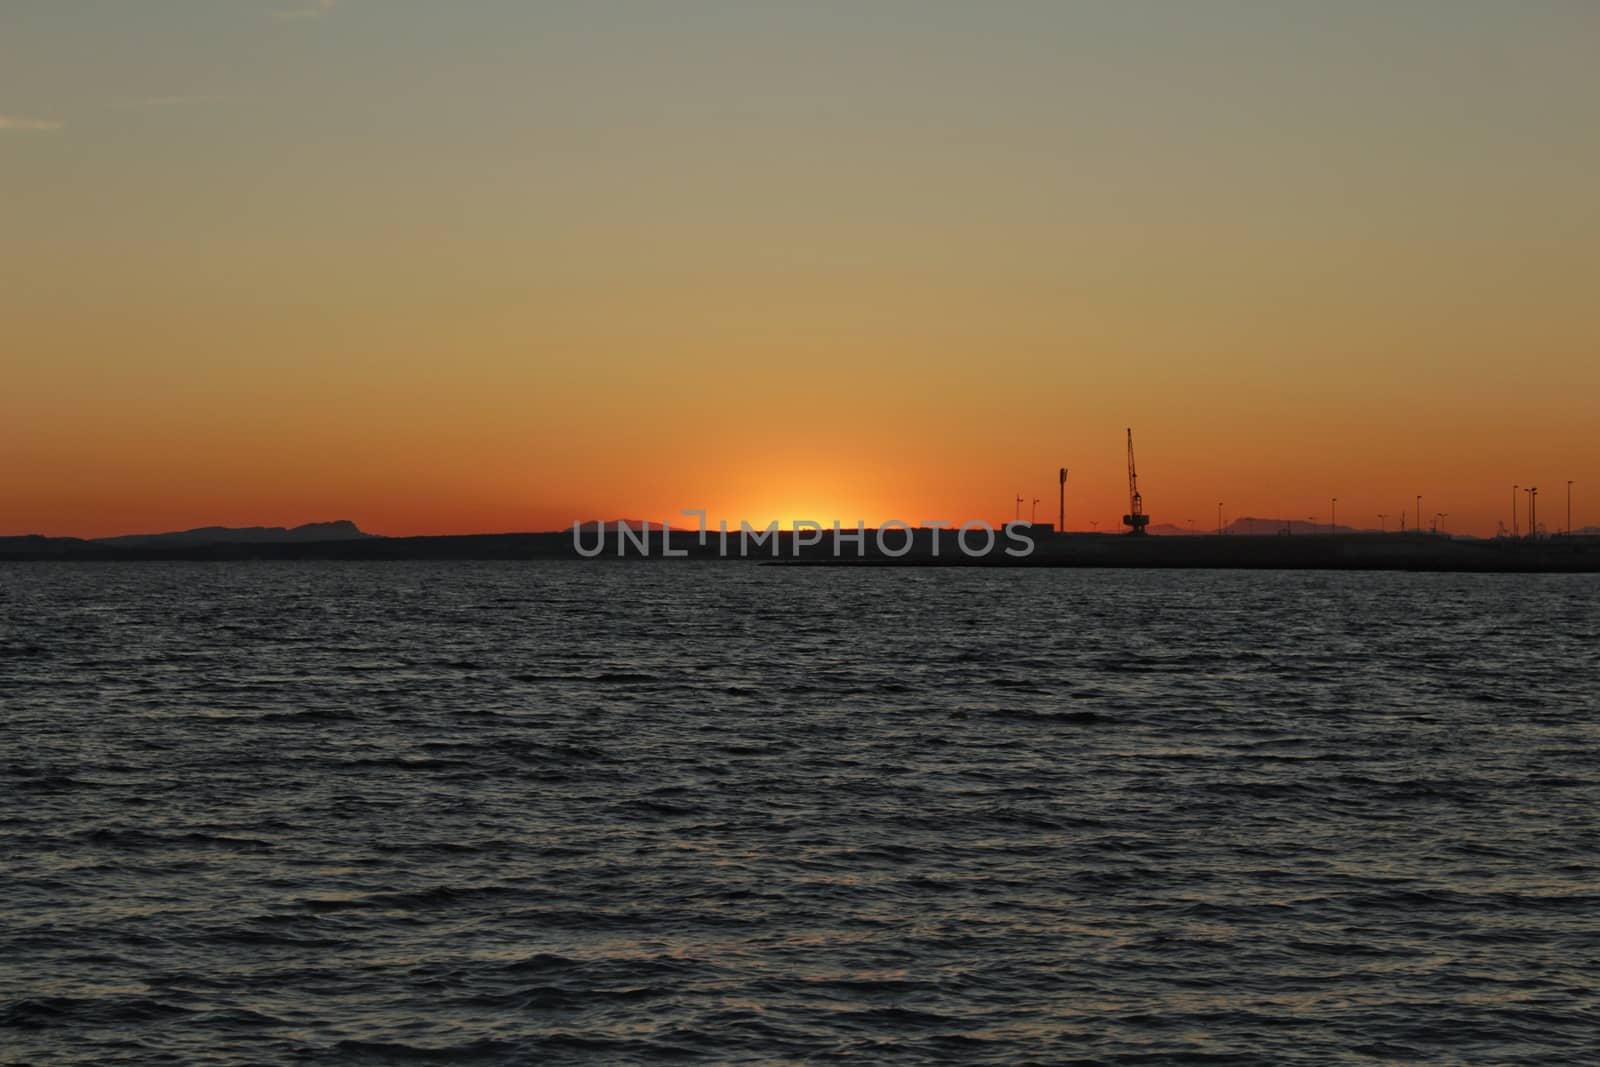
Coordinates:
<point>1569,507</point>
<point>1333,516</point>
<point>1219,518</point>
<point>1516,528</point>
<point>1383,523</point>
<point>1061,526</point>
<point>1419,514</point>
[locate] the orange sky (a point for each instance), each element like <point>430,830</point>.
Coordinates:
<point>460,269</point>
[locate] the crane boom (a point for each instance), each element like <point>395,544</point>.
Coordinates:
<point>1135,520</point>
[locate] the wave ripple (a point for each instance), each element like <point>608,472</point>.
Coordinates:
<point>498,813</point>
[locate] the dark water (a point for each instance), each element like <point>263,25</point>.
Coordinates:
<point>626,813</point>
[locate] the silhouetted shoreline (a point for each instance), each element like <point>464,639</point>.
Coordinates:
<point>1362,551</point>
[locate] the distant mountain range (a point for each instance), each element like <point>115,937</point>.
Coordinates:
<point>1251,525</point>
<point>339,530</point>
<point>617,525</point>
<point>310,533</point>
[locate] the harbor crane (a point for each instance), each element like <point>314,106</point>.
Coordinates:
<point>1135,520</point>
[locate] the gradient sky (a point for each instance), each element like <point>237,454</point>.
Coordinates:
<point>496,265</point>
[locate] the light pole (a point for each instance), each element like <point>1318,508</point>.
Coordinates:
<point>1437,517</point>
<point>1333,516</point>
<point>1419,514</point>
<point>1569,507</point>
<point>1061,522</point>
<point>1033,520</point>
<point>1383,523</point>
<point>1219,518</point>
<point>1516,528</point>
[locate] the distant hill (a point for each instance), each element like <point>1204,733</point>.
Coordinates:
<point>1253,526</point>
<point>39,543</point>
<point>340,530</point>
<point>617,525</point>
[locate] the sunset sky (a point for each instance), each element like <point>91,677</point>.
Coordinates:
<point>497,265</point>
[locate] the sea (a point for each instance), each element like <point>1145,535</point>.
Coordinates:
<point>680,812</point>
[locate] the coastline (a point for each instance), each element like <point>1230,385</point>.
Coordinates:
<point>1362,551</point>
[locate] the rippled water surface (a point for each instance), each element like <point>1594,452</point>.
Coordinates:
<point>501,813</point>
